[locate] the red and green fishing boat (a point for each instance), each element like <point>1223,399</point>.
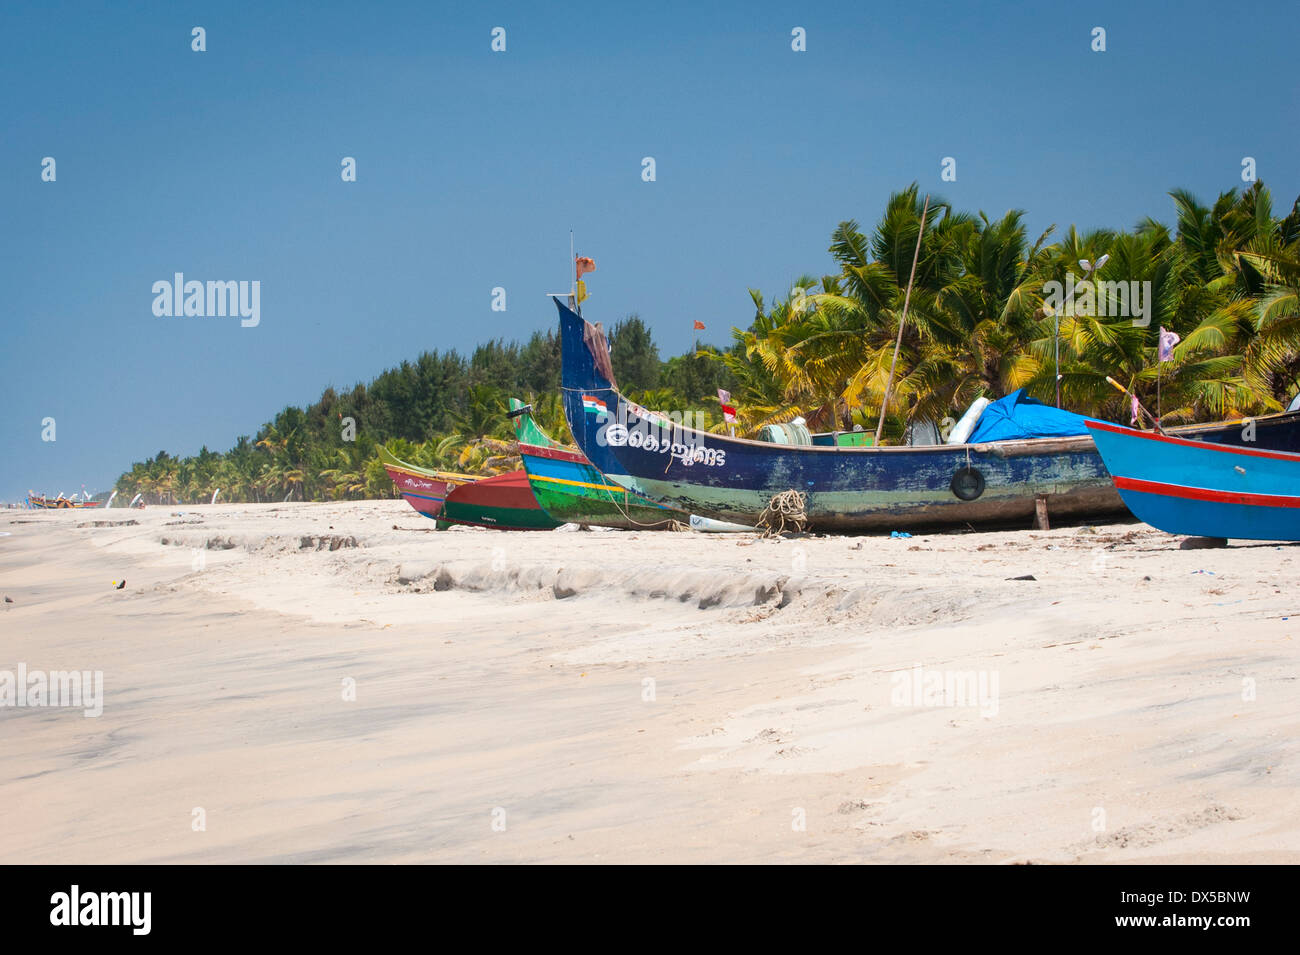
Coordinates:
<point>570,488</point>
<point>424,489</point>
<point>505,502</point>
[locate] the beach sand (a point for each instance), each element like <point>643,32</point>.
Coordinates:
<point>642,697</point>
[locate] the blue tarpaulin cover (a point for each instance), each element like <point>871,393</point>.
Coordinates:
<point>1019,416</point>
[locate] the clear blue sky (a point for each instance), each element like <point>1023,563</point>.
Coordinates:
<point>472,167</point>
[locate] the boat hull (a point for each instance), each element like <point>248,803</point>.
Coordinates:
<point>424,489</point>
<point>1202,489</point>
<point>59,504</point>
<point>871,489</point>
<point>571,490</point>
<point>505,502</point>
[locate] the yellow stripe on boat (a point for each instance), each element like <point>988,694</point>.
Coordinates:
<point>594,487</point>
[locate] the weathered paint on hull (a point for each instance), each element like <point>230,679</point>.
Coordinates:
<point>1070,483</point>
<point>570,490</point>
<point>890,488</point>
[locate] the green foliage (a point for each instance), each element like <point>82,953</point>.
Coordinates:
<point>1226,278</point>
<point>438,411</point>
<point>634,355</point>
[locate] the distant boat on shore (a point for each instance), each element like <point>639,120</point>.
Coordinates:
<point>57,503</point>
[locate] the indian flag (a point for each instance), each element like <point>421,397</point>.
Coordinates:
<point>593,405</point>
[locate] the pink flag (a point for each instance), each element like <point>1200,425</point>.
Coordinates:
<point>724,397</point>
<point>1134,417</point>
<point>1167,342</point>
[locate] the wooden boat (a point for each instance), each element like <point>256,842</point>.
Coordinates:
<point>57,503</point>
<point>424,489</point>
<point>571,490</point>
<point>504,502</point>
<point>844,488</point>
<point>1193,487</point>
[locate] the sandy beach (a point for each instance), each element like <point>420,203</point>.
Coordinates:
<point>339,683</point>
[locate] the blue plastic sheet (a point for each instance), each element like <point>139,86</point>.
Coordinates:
<point>1018,416</point>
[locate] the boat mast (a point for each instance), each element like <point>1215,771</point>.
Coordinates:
<point>898,343</point>
<point>573,269</point>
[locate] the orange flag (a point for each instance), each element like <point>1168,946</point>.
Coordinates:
<point>584,264</point>
<point>699,325</point>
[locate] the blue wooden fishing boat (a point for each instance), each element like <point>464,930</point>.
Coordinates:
<point>843,488</point>
<point>1205,490</point>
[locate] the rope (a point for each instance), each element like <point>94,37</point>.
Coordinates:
<point>786,509</point>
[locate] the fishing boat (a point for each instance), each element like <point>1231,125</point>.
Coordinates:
<point>504,502</point>
<point>1185,486</point>
<point>57,503</point>
<point>571,490</point>
<point>424,489</point>
<point>835,488</point>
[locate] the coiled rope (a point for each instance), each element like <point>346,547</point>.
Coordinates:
<point>785,513</point>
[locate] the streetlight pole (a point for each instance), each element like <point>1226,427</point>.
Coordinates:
<point>1089,268</point>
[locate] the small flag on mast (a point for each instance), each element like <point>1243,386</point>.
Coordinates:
<point>582,264</point>
<point>728,412</point>
<point>1167,342</point>
<point>698,326</point>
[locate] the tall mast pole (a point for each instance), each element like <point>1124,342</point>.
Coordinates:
<point>907,300</point>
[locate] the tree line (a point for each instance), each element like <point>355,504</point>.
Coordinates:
<point>985,318</point>
<point>441,410</point>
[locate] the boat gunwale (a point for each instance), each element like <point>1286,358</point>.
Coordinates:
<point>390,460</point>
<point>560,453</point>
<point>1011,447</point>
<point>1189,443</point>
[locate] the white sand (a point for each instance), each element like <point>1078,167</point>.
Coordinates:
<point>507,671</point>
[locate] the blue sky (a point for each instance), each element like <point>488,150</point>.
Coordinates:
<point>472,166</point>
